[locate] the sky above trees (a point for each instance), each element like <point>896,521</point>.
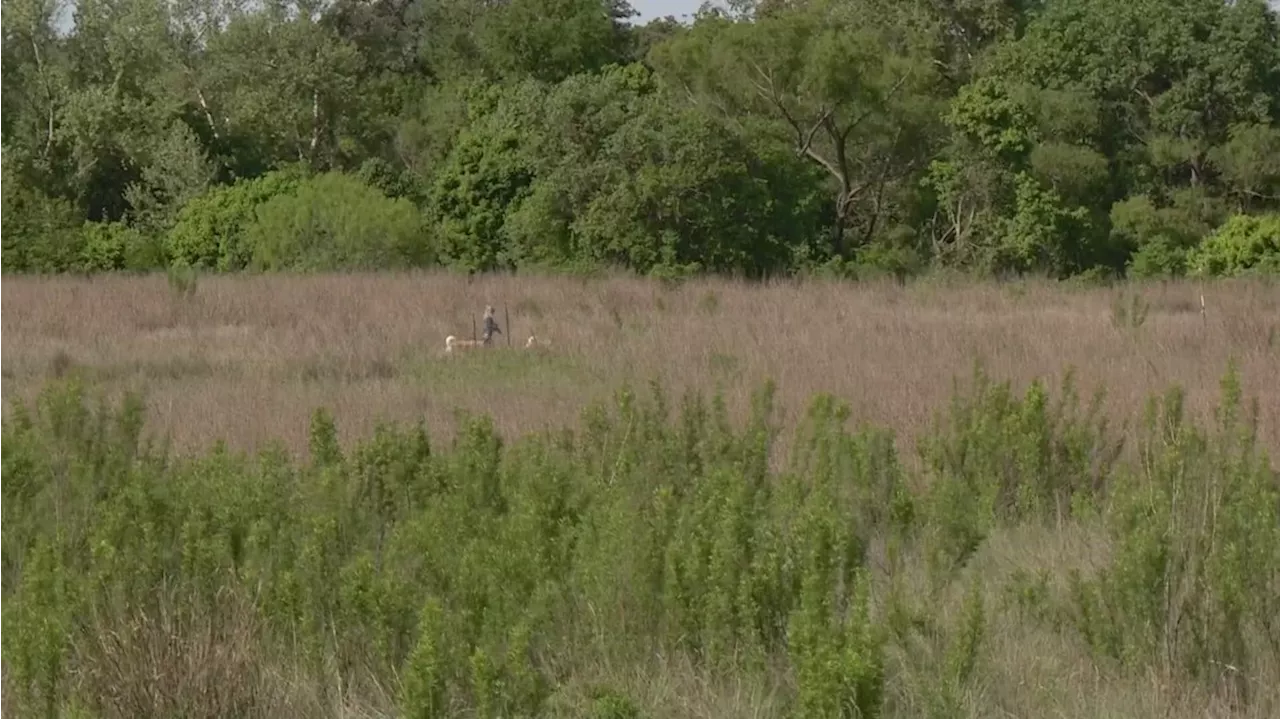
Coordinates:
<point>650,9</point>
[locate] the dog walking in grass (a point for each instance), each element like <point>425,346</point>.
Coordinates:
<point>490,328</point>
<point>452,343</point>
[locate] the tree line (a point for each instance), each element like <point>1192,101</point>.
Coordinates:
<point>1048,137</point>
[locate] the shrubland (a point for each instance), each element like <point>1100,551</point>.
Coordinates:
<point>654,559</point>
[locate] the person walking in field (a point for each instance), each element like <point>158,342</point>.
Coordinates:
<point>490,326</point>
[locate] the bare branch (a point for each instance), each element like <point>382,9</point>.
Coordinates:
<point>808,138</point>
<point>208,114</point>
<point>770,93</point>
<point>48,91</point>
<point>315,119</point>
<point>719,106</point>
<point>830,167</point>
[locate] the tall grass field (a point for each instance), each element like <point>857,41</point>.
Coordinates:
<point>278,496</point>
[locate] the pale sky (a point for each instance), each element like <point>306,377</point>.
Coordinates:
<point>650,9</point>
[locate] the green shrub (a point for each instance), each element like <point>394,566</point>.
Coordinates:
<point>335,222</point>
<point>1243,244</point>
<point>1158,257</point>
<point>484,575</point>
<point>997,459</point>
<point>1158,238</point>
<point>116,246</point>
<point>41,233</point>
<point>1191,586</point>
<point>210,231</point>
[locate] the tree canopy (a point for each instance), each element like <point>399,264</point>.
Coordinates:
<point>1051,137</point>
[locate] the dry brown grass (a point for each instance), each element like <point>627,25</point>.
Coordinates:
<point>184,656</point>
<point>247,359</point>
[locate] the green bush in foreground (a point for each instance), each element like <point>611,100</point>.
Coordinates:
<point>489,578</point>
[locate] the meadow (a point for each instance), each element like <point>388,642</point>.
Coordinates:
<point>247,359</point>
<point>255,496</point>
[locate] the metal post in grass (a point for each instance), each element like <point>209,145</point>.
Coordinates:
<point>506,319</point>
<point>473,328</point>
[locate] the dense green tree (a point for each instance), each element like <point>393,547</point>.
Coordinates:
<point>550,40</point>
<point>846,89</point>
<point>488,171</point>
<point>1100,103</point>
<point>995,136</point>
<point>287,86</point>
<point>605,169</point>
<point>40,231</point>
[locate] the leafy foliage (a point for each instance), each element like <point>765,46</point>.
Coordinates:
<point>1243,244</point>
<point>487,573</point>
<point>334,221</point>
<point>854,137</point>
<point>210,231</point>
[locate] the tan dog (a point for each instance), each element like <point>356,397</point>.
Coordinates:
<point>451,343</point>
<point>535,343</point>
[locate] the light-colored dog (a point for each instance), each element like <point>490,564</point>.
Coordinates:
<point>451,343</point>
<point>536,343</point>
